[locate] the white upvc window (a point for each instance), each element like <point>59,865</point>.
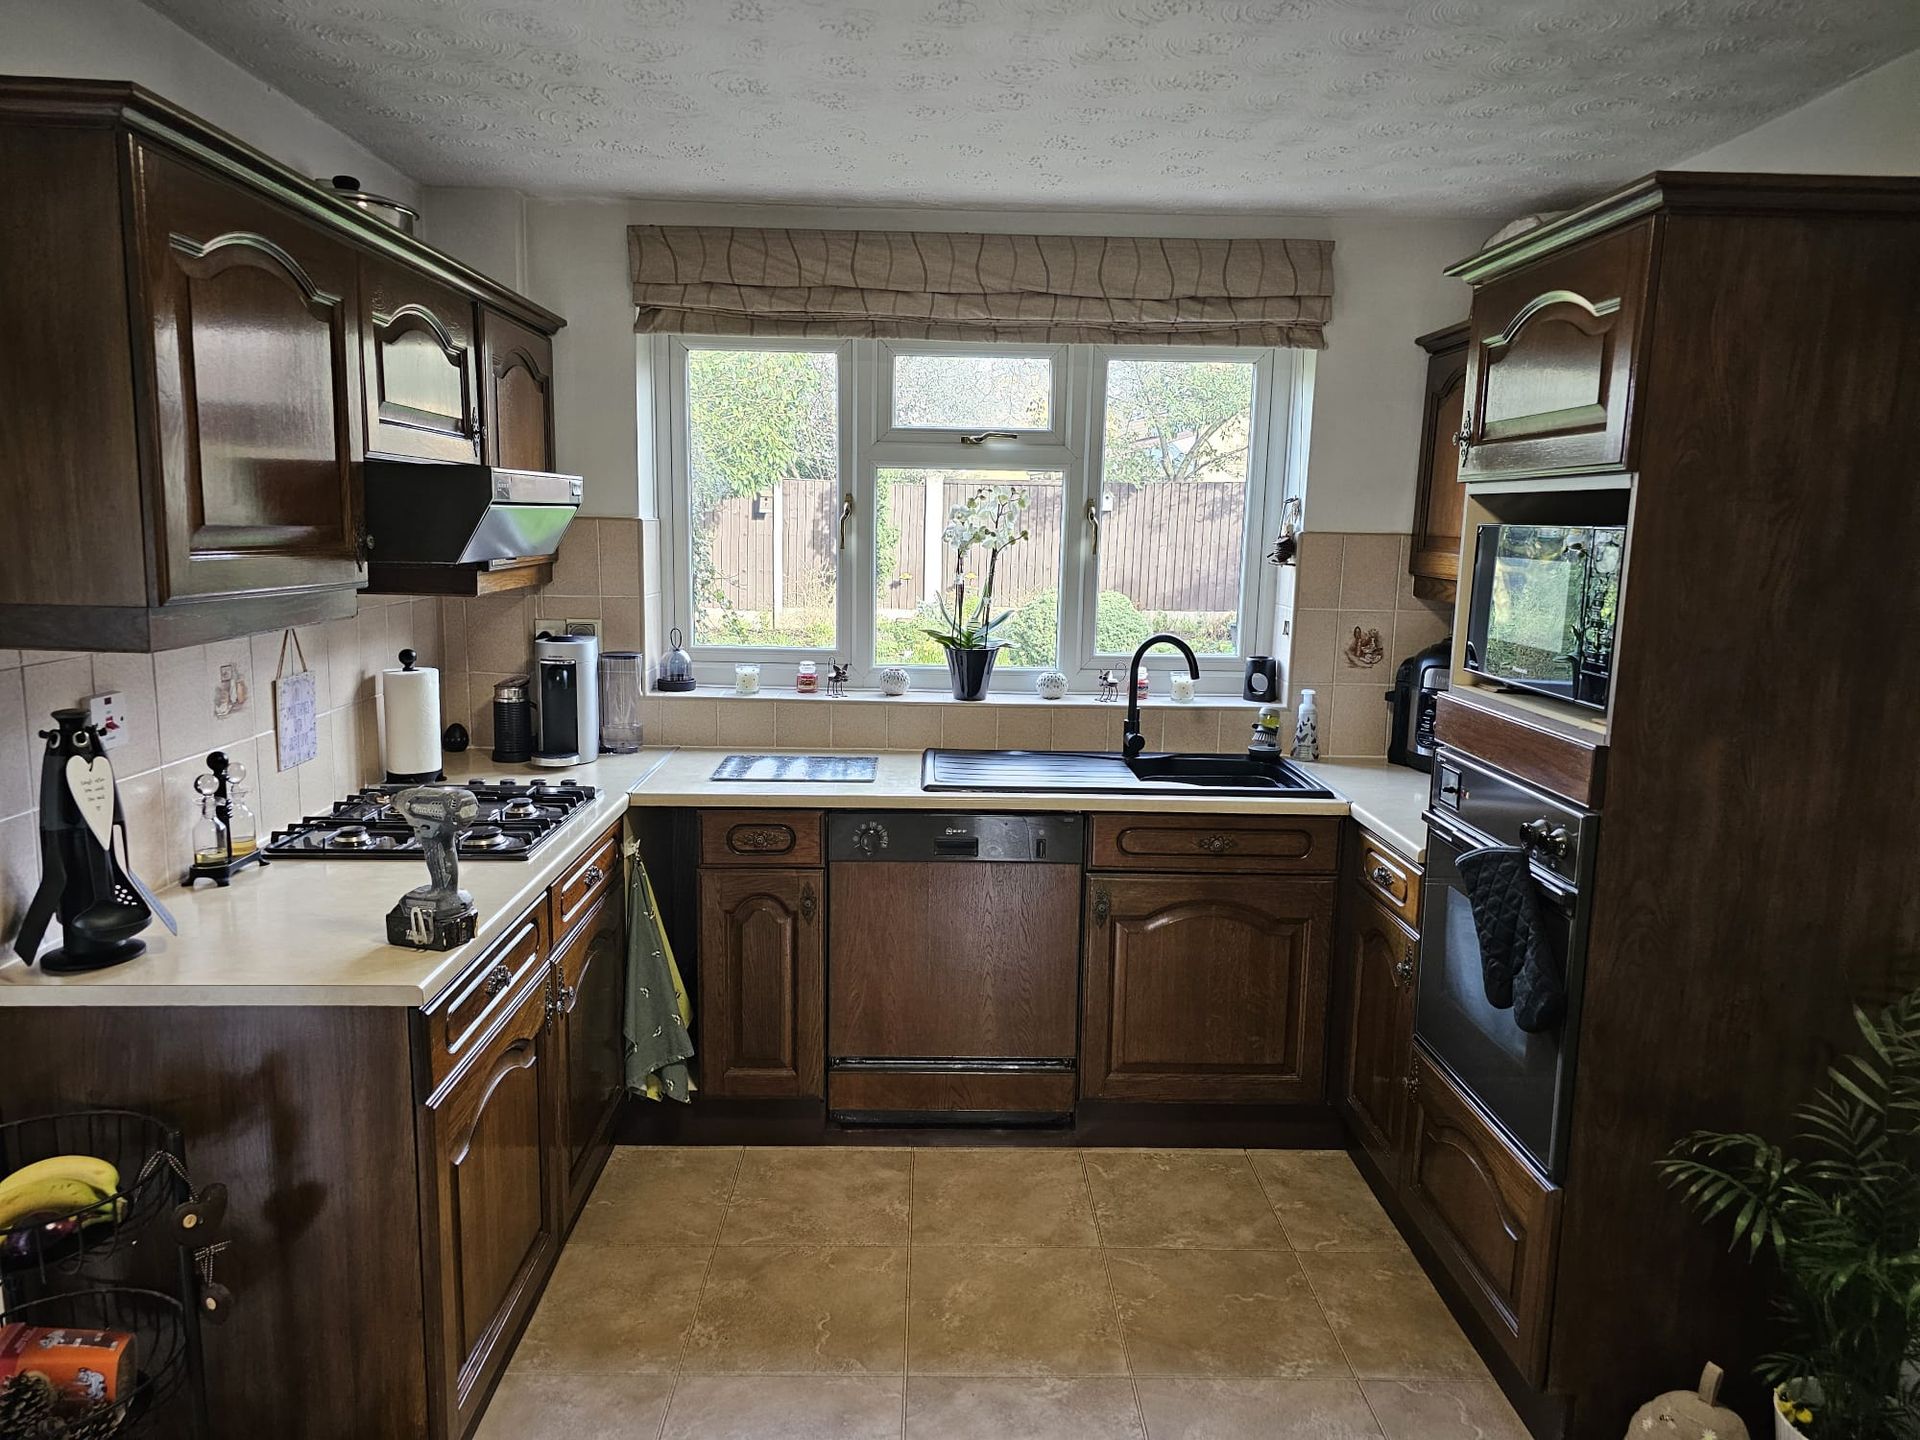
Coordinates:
<point>808,483</point>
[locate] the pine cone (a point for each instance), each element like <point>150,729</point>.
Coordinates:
<point>97,1424</point>
<point>26,1407</point>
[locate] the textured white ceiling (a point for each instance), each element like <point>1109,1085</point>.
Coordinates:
<point>1422,106</point>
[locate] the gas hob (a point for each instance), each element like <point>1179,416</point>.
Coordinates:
<point>517,818</point>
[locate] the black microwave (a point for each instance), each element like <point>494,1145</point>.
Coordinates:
<point>1542,610</point>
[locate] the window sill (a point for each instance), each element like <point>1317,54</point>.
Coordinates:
<point>1029,701</point>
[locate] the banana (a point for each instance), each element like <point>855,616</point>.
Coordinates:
<point>64,1184</point>
<point>97,1173</point>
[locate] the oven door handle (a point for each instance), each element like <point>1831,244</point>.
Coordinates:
<point>1557,885</point>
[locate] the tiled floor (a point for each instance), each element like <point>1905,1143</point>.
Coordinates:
<point>1008,1294</point>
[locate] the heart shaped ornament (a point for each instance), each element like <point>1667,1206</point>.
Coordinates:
<point>91,783</point>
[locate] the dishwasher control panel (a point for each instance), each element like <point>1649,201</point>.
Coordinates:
<point>913,836</point>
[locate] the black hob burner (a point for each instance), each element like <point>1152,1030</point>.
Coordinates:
<point>517,817</point>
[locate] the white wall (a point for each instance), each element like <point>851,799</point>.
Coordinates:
<point>1869,126</point>
<point>123,40</point>
<point>487,228</point>
<point>1367,388</point>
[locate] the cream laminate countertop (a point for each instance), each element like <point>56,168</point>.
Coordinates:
<point>313,932</point>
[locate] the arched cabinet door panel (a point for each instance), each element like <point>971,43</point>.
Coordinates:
<point>420,364</point>
<point>517,371</point>
<point>1552,361</point>
<point>1379,961</point>
<point>255,388</point>
<point>762,982</point>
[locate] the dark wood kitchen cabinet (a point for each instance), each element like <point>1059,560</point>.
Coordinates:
<point>1379,958</point>
<point>491,1183</point>
<point>1439,502</point>
<point>516,368</point>
<point>421,364</point>
<point>1552,362</point>
<point>762,1012</point>
<point>590,1015</point>
<point>205,346</point>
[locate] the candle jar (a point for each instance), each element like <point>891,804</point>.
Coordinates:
<point>746,679</point>
<point>1183,686</point>
<point>1142,685</point>
<point>806,678</point>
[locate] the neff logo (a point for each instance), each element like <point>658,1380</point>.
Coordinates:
<point>956,830</point>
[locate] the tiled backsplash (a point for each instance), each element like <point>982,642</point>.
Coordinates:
<point>172,724</point>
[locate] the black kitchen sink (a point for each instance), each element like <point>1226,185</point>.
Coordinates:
<point>1092,773</point>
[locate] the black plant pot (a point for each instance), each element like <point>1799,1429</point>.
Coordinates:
<point>970,670</point>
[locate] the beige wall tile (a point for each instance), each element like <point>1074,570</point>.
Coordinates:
<point>500,634</point>
<point>340,646</point>
<point>55,685</point>
<point>1370,570</point>
<point>317,790</point>
<point>143,802</point>
<point>346,751</point>
<point>453,700</point>
<point>619,557</point>
<point>371,628</point>
<point>1190,729</point>
<point>1415,630</point>
<point>401,635</point>
<point>1026,728</point>
<point>9,659</point>
<point>276,791</point>
<point>799,724</point>
<point>266,664</point>
<point>741,722</point>
<point>687,720</point>
<point>19,749</point>
<point>860,725</point>
<point>969,726</point>
<point>576,568</point>
<point>180,806</point>
<point>622,623</point>
<point>427,638</point>
<point>1317,583</point>
<point>1359,724</point>
<point>229,673</point>
<point>132,676</point>
<point>913,727</point>
<point>480,685</point>
<point>1313,648</point>
<point>453,634</point>
<point>19,871</point>
<point>367,722</point>
<point>1087,727</point>
<point>1346,668</point>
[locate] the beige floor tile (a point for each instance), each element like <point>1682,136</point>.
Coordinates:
<point>1001,1197</point>
<point>615,1308</point>
<point>790,1407</point>
<point>1442,1410</point>
<point>537,1405</point>
<point>1322,1202</point>
<point>660,1195</point>
<point>802,1310</point>
<point>1205,1199</point>
<point>983,1310</point>
<point>942,1408</point>
<point>1190,1408</point>
<point>1391,1323</point>
<point>823,1195</point>
<point>1221,1312</point>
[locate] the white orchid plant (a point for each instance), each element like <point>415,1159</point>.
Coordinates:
<point>993,520</point>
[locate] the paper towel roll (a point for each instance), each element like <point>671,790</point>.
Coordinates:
<point>410,721</point>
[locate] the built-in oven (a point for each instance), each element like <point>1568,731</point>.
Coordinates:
<point>1522,1080</point>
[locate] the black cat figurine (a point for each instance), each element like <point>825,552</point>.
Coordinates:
<point>100,902</point>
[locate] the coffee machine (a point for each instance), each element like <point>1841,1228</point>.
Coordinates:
<point>1413,699</point>
<point>566,689</point>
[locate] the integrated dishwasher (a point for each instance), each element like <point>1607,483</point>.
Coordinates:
<point>953,966</point>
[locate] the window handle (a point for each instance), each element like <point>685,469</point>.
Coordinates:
<point>986,435</point>
<point>846,514</point>
<point>1093,523</point>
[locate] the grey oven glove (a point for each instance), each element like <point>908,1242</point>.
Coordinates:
<point>1518,965</point>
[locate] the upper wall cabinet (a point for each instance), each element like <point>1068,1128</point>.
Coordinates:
<point>422,366</point>
<point>1550,367</point>
<point>517,375</point>
<point>202,347</point>
<point>1439,504</point>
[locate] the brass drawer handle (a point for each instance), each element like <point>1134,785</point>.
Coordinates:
<point>497,980</point>
<point>760,840</point>
<point>592,876</point>
<point>1217,844</point>
<point>809,906</point>
<point>1102,907</point>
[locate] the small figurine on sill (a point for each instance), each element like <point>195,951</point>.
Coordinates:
<point>837,678</point>
<point>1109,686</point>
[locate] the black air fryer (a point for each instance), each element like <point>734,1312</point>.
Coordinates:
<point>1419,679</point>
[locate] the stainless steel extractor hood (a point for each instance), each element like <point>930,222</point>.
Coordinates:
<point>428,512</point>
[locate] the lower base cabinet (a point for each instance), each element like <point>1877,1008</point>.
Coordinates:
<point>1206,987</point>
<point>590,1011</point>
<point>1379,962</point>
<point>1492,1219</point>
<point>762,1011</point>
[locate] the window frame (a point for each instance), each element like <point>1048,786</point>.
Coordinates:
<point>869,443</point>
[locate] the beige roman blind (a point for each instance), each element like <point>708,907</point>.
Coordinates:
<point>909,285</point>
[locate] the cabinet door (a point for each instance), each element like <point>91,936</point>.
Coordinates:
<point>762,990</point>
<point>1206,988</point>
<point>1378,960</point>
<point>255,388</point>
<point>490,1202</point>
<point>422,375</point>
<point>1551,364</point>
<point>592,1006</point>
<point>1491,1218</point>
<point>517,364</point>
<point>1440,502</point>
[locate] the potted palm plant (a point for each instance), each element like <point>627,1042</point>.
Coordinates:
<point>1837,1216</point>
<point>992,520</point>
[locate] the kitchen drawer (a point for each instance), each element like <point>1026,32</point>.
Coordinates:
<point>1297,845</point>
<point>1394,882</point>
<point>480,996</point>
<point>761,837</point>
<point>574,895</point>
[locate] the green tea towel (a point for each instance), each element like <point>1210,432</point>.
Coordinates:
<point>658,1011</point>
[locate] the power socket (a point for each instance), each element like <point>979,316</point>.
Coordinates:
<point>108,714</point>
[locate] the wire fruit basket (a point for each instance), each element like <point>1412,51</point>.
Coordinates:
<point>161,1344</point>
<point>79,1225</point>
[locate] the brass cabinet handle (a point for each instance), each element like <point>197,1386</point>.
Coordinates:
<point>1093,523</point>
<point>1102,907</point>
<point>760,840</point>
<point>593,875</point>
<point>809,906</point>
<point>1217,844</point>
<point>497,980</point>
<point>846,514</point>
